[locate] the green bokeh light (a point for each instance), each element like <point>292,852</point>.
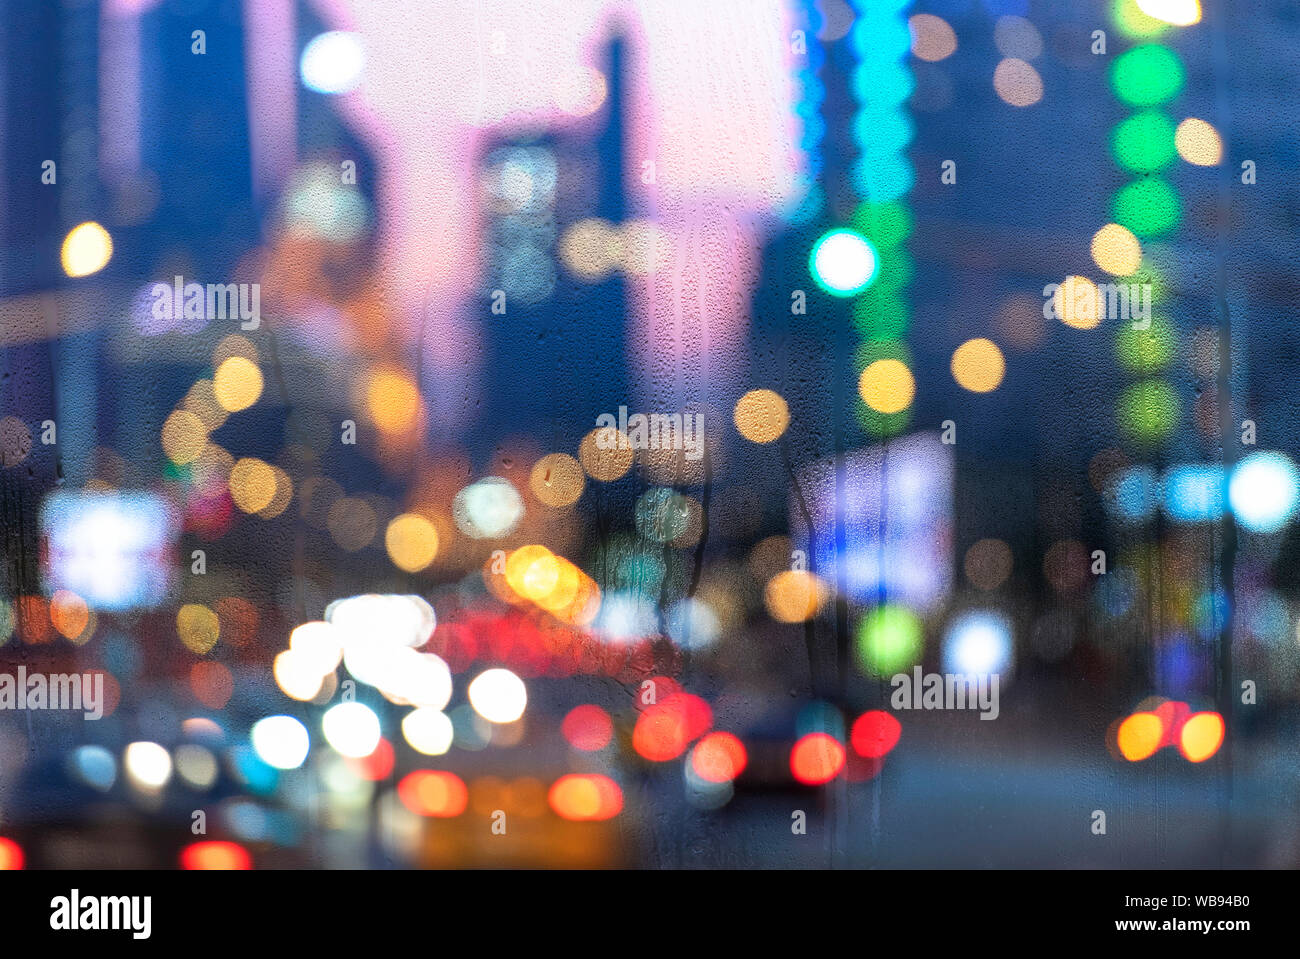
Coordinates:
<point>662,514</point>
<point>885,224</point>
<point>889,639</point>
<point>869,351</point>
<point>881,314</point>
<point>1148,207</point>
<point>1149,272</point>
<point>1149,410</point>
<point>896,269</point>
<point>1146,351</point>
<point>1147,75</point>
<point>1144,142</point>
<point>882,425</point>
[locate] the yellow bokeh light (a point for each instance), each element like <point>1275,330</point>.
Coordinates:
<point>1198,142</point>
<point>1116,250</point>
<point>282,496</point>
<point>392,401</point>
<point>198,627</point>
<point>645,249</point>
<point>201,400</point>
<point>977,365</point>
<point>609,463</point>
<point>1075,301</point>
<point>540,578</point>
<point>252,484</point>
<point>183,437</point>
<point>761,416</point>
<point>887,386</point>
<point>793,596</point>
<point>1201,736</point>
<point>557,479</point>
<point>411,542</point>
<point>213,465</point>
<point>585,606</point>
<point>568,580</point>
<point>237,384</point>
<point>591,249</point>
<point>1017,83</point>
<point>518,565</point>
<point>86,249</point>
<point>1139,736</point>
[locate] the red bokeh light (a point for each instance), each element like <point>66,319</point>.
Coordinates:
<point>875,733</point>
<point>664,729</point>
<point>588,728</point>
<point>378,765</point>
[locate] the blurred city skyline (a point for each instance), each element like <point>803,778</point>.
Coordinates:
<point>860,241</point>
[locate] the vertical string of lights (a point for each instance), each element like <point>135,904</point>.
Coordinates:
<point>867,260</point>
<point>1145,79</point>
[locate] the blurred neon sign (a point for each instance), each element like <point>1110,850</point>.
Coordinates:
<point>112,549</point>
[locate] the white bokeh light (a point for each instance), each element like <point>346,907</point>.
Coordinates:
<point>843,262</point>
<point>281,741</point>
<point>1264,491</point>
<point>148,765</point>
<point>498,695</point>
<point>332,62</point>
<point>352,729</point>
<point>977,642</point>
<point>429,731</point>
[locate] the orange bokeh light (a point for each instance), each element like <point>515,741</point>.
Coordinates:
<point>1139,736</point>
<point>585,798</point>
<point>215,854</point>
<point>11,854</point>
<point>719,757</point>
<point>659,734</point>
<point>1201,736</point>
<point>69,614</point>
<point>433,792</point>
<point>816,758</point>
<point>663,731</point>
